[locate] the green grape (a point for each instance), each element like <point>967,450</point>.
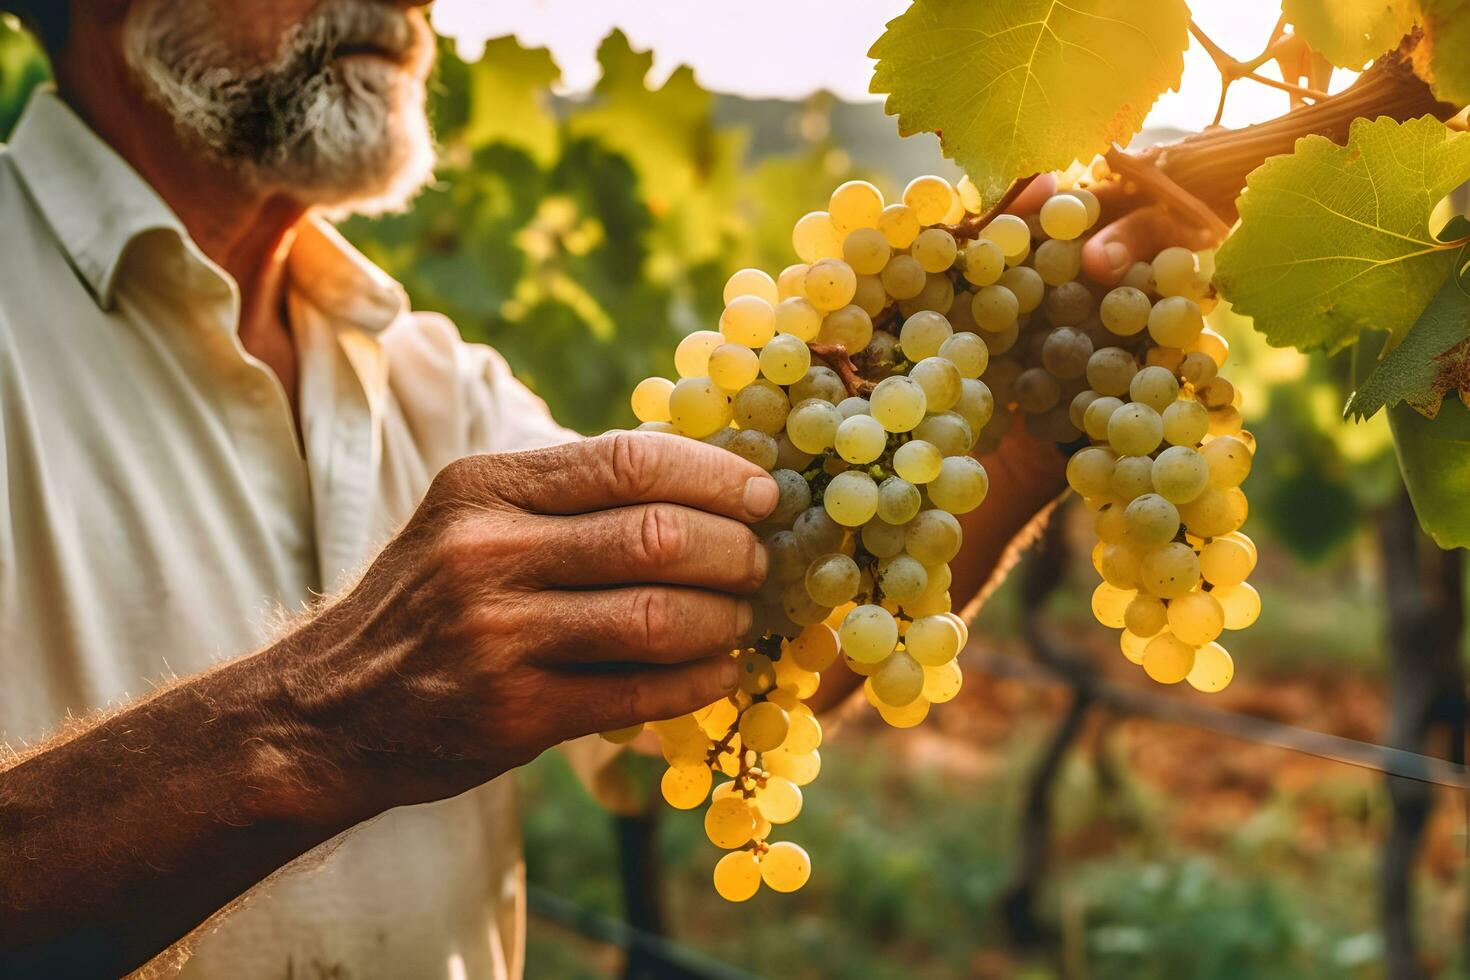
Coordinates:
<point>720,439</point>
<point>686,787</point>
<point>1196,618</point>
<point>983,262</point>
<point>882,538</point>
<point>1241,605</point>
<point>922,334</point>
<point>1124,310</point>
<point>860,439</point>
<point>815,238</point>
<point>1109,603</point>
<point>917,461</point>
<point>728,822</point>
<point>763,727</point>
<point>1170,571</point>
<point>829,284</point>
<point>1213,669</point>
<point>937,295</point>
<point>691,357</point>
<point>1090,471</point>
<point>853,405</point>
<point>787,563</point>
<point>1133,646</point>
<point>961,485</point>
<point>1140,276</point>
<point>1064,216</point>
<point>869,296</point>
<point>1132,477</point>
<point>1110,371</point>
<point>1145,616</point>
<point>933,537</point>
<point>942,683</point>
<point>1185,423</point>
<point>832,580</point>
<point>1214,512</point>
<point>817,533</point>
<point>733,366</point>
<point>931,603</point>
<point>851,498</point>
<point>761,406</point>
<point>795,316</point>
<point>1229,461</point>
<point>785,360</point>
<point>1174,270</point>
<point>934,249</point>
<point>948,432</point>
<point>820,382</point>
<point>868,634</point>
<point>1077,410</point>
<point>1175,322</point>
<point>815,649</point>
<point>898,403</point>
<point>1154,387</point>
<point>1057,261</point>
<point>906,717</point>
<point>1001,342</point>
<point>866,250</point>
<point>1068,304</point>
<point>855,204</point>
<point>1225,562</point>
<point>849,326</point>
<point>1009,232</point>
<point>651,399</point>
<point>779,801</point>
<point>899,225</point>
<point>932,640</point>
<point>812,425</point>
<point>967,352</point>
<point>1198,369</point>
<point>754,446</point>
<point>1119,566</point>
<point>939,379</point>
<point>976,405</point>
<point>785,867</point>
<point>994,308</point>
<point>1150,521</point>
<point>930,198</point>
<point>1037,391</point>
<point>1180,474</point>
<point>751,282</point>
<point>802,609</point>
<point>901,578</point>
<point>698,407</point>
<point>1133,429</point>
<point>749,321</point>
<point>737,876</point>
<point>903,277</point>
<point>898,501</point>
<point>1066,352</point>
<point>898,680</point>
<point>1025,284</point>
<point>1168,659</point>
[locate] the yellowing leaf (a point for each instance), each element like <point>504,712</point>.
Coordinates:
<point>1335,239</point>
<point>1442,57</point>
<point>1350,33</point>
<point>508,92</point>
<point>1015,87</point>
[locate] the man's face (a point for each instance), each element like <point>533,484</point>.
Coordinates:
<point>320,99</point>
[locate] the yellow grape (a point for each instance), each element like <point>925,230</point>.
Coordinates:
<point>737,876</point>
<point>685,787</point>
<point>785,867</point>
<point>728,823</point>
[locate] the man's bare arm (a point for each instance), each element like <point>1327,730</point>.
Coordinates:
<point>534,597</point>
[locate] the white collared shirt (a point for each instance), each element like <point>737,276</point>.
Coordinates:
<point>157,513</point>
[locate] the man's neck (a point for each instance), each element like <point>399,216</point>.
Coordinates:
<point>247,231</point>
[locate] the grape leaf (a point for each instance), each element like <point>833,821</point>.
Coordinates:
<point>508,92</point>
<point>1015,87</point>
<point>1335,239</point>
<point>1350,33</point>
<point>1434,456</point>
<point>1442,56</point>
<point>1430,363</point>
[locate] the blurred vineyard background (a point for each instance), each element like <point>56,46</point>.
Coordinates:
<point>582,237</point>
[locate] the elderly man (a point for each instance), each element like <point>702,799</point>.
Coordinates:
<point>213,409</point>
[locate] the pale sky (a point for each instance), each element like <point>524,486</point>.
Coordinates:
<point>791,48</point>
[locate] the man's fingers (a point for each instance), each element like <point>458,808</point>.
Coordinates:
<point>623,468</point>
<point>609,700</point>
<point>1034,196</point>
<point>1137,236</point>
<point>647,544</point>
<point>649,624</point>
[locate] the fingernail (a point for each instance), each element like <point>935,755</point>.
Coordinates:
<point>744,619</point>
<point>1117,255</point>
<point>760,496</point>
<point>762,562</point>
<point>729,674</point>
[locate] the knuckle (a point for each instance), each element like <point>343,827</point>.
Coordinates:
<point>654,616</point>
<point>755,561</point>
<point>663,533</point>
<point>632,461</point>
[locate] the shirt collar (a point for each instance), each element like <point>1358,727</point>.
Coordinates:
<point>97,204</point>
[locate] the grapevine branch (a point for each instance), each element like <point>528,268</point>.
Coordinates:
<point>970,227</point>
<point>840,361</point>
<point>1232,69</point>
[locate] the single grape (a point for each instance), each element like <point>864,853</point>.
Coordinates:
<point>903,277</point>
<point>1167,659</point>
<point>1226,562</point>
<point>936,295</point>
<point>1185,423</point>
<point>961,485</point>
<point>1066,352</point>
<point>788,283</point>
<point>829,284</point>
<point>899,225</point>
<point>749,321</point>
<point>1240,603</point>
<point>1124,310</point>
<point>1154,387</point>
<point>934,249</point>
<point>651,399</point>
<point>917,461</point>
<point>851,327</point>
<point>798,604</point>
<point>1180,474</point>
<point>815,238</point>
<point>1174,270</point>
<point>686,787</point>
<point>728,822</point>
<point>983,262</point>
<point>1090,471</point>
<point>737,876</point>
<point>797,317</point>
<point>898,501</point>
<point>1214,512</point>
<point>908,716</point>
<point>1175,322</point>
<point>1198,369</point>
<point>967,352</point>
<point>785,360</point>
<point>1140,276</point>
<point>1026,285</point>
<point>1009,232</point>
<point>855,204</point>
<point>851,498</point>
<point>691,357</point>
<point>1109,603</point>
<point>1150,521</point>
<point>697,407</point>
<point>898,680</point>
<point>933,537</point>
<point>930,198</point>
<point>994,308</point>
<point>942,683</point>
<point>751,282</point>
<point>1228,459</point>
<point>763,727</point>
<point>1171,571</point>
<point>949,432</point>
<point>923,334</point>
<point>733,366</point>
<point>1196,618</point>
<point>869,295</point>
<point>976,405</point>
<point>1057,261</point>
<point>812,425</point>
<point>898,403</point>
<point>940,381</point>
<point>779,800</point>
<point>1145,616</point>
<point>832,580</point>
<point>820,382</point>
<point>1064,216</point>
<point>882,539</point>
<point>868,634</point>
<point>902,578</point>
<point>1132,477</point>
<point>860,439</point>
<point>817,534</point>
<point>1133,646</point>
<point>1213,669</point>
<point>1134,429</point>
<point>785,867</point>
<point>1068,304</point>
<point>754,446</point>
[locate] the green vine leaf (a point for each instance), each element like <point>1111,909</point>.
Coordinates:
<point>1334,239</point>
<point>1440,58</point>
<point>1432,361</point>
<point>1350,33</point>
<point>1015,87</point>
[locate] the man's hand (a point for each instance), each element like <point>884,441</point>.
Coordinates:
<point>532,598</point>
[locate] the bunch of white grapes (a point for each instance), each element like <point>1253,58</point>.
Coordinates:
<point>844,378</point>
<point>1135,370</point>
